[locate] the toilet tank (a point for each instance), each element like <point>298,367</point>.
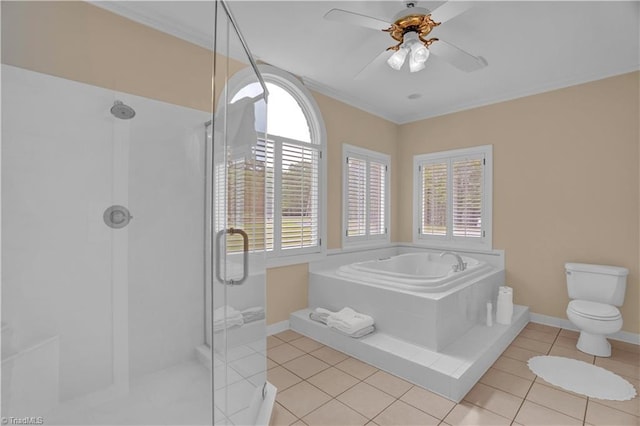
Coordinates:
<point>597,283</point>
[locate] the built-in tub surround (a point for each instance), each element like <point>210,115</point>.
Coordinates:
<point>421,272</point>
<point>438,340</point>
<point>430,319</point>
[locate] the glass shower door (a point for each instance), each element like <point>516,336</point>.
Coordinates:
<point>133,280</point>
<point>236,187</point>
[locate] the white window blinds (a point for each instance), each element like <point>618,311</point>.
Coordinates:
<point>356,197</point>
<point>467,197</point>
<point>366,202</point>
<point>434,179</point>
<point>274,192</point>
<point>377,198</point>
<point>453,196</point>
<point>299,196</point>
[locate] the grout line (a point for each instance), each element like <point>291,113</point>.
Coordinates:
<point>449,412</point>
<point>523,400</point>
<point>586,407</point>
<point>395,399</point>
<point>554,342</point>
<point>287,410</point>
<point>485,408</point>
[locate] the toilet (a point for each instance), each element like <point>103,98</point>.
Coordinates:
<point>596,291</point>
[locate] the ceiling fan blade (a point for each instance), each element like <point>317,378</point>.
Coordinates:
<point>449,10</point>
<point>376,63</point>
<point>353,18</point>
<point>457,57</point>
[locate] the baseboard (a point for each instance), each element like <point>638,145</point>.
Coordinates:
<point>623,336</point>
<point>277,327</point>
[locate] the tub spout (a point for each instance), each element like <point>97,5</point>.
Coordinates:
<point>461,266</point>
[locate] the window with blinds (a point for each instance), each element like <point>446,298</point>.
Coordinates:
<point>466,193</point>
<point>453,193</point>
<point>434,179</point>
<point>366,199</point>
<point>356,197</point>
<point>274,193</point>
<point>299,196</point>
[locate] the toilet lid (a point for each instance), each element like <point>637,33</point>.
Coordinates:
<point>595,310</point>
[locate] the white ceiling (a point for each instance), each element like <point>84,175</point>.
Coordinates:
<point>531,47</point>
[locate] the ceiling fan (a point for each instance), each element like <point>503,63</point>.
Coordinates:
<point>410,29</point>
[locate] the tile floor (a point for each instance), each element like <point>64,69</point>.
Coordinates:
<point>321,386</point>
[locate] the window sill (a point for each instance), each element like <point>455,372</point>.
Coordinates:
<point>348,246</point>
<point>452,245</point>
<point>276,262</point>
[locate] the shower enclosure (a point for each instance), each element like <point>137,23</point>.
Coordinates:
<point>133,274</point>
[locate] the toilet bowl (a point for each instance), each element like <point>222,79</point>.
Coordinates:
<point>596,291</point>
<point>595,320</point>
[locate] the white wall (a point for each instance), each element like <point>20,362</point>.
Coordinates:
<point>60,264</point>
<point>56,275</point>
<point>166,236</point>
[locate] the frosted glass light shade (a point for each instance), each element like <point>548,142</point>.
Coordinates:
<point>415,66</point>
<point>418,57</point>
<point>419,53</point>
<point>396,60</point>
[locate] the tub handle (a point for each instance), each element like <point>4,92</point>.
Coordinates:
<point>245,255</point>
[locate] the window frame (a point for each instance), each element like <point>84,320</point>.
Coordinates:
<point>450,241</point>
<point>317,130</point>
<point>368,156</point>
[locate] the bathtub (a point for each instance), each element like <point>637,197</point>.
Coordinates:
<point>416,297</point>
<point>420,272</point>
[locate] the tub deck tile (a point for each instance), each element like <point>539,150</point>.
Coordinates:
<point>451,372</point>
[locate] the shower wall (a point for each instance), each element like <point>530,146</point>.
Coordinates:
<point>61,267</point>
<point>166,237</point>
<point>56,256</point>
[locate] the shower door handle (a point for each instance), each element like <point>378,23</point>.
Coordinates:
<point>245,255</point>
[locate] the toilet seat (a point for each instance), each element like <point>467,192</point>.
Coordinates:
<point>594,310</point>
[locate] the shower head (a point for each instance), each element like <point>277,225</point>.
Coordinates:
<point>122,111</point>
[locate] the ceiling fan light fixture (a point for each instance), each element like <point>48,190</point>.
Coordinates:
<point>396,60</point>
<point>414,65</point>
<point>419,52</point>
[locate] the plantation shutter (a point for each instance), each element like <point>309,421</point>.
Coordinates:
<point>467,195</point>
<point>434,177</point>
<point>299,196</point>
<point>236,177</point>
<point>376,198</point>
<point>266,155</point>
<point>356,197</point>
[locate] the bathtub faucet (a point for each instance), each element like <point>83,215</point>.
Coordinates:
<point>461,266</point>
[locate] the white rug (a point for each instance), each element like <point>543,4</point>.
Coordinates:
<point>580,377</point>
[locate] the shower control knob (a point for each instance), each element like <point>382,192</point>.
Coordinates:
<point>117,217</point>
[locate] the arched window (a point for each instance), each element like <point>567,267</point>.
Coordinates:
<point>292,156</point>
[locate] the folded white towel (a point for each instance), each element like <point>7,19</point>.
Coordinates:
<point>349,321</point>
<point>219,326</point>
<point>225,311</point>
<point>360,333</point>
<point>225,317</point>
<point>321,315</point>
<point>253,314</point>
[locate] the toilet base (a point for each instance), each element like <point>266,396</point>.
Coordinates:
<point>594,344</point>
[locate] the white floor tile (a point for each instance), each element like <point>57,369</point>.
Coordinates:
<point>250,365</point>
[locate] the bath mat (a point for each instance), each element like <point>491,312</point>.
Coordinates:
<point>580,377</point>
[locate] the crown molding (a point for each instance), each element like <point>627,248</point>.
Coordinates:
<point>198,38</point>
<point>157,22</point>
<point>517,94</point>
